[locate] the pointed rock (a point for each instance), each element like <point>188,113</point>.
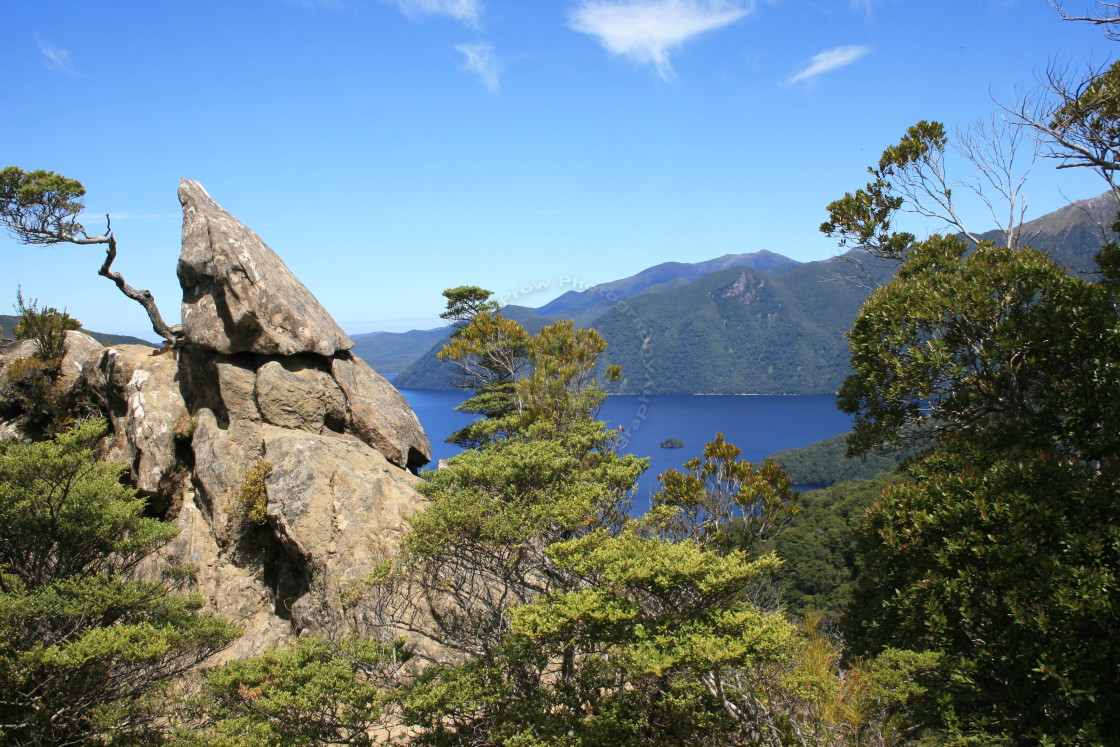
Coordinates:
<point>238,295</point>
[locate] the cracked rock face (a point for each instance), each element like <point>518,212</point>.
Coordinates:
<point>264,376</point>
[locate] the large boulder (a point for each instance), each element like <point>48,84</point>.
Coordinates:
<point>156,415</point>
<point>296,393</point>
<point>339,508</point>
<point>380,414</point>
<point>79,349</point>
<point>238,295</point>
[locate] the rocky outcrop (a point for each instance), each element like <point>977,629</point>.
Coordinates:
<point>238,296</point>
<point>263,381</point>
<point>380,415</point>
<point>79,347</point>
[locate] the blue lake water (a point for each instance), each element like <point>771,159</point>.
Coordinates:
<point>759,425</point>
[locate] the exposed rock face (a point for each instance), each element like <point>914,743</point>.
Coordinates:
<point>293,393</point>
<point>264,376</point>
<point>79,347</point>
<point>381,416</point>
<point>238,296</point>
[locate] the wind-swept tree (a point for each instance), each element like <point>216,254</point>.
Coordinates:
<point>42,207</point>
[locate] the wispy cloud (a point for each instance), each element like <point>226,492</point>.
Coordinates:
<point>864,5</point>
<point>647,31</point>
<point>482,61</point>
<point>127,216</point>
<point>57,59</point>
<point>95,222</point>
<point>468,12</point>
<point>315,4</point>
<point>829,59</point>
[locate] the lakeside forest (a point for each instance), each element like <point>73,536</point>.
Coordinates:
<point>967,596</point>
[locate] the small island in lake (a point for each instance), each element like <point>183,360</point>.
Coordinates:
<point>672,443</point>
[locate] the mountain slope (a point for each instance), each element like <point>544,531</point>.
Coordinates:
<point>737,331</point>
<point>393,352</point>
<point>1072,235</point>
<point>577,304</point>
<point>751,323</point>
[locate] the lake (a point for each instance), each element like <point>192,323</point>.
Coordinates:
<point>758,424</point>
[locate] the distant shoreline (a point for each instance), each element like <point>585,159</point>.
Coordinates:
<point>717,394</point>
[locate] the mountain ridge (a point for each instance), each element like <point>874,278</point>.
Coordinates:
<point>773,328</point>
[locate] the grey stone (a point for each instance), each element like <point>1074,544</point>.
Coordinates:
<point>238,295</point>
<point>296,393</point>
<point>156,416</point>
<point>380,415</point>
<point>237,381</point>
<point>338,507</point>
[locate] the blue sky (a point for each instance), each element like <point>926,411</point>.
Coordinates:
<point>388,149</point>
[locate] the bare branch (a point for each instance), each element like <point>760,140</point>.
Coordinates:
<point>173,335</point>
<point>1077,117</point>
<point>927,191</point>
<point>994,149</point>
<point>1111,18</point>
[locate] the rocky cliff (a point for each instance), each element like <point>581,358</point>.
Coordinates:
<point>264,384</point>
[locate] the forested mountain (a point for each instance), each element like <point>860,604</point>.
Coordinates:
<point>754,323</point>
<point>735,330</point>
<point>392,352</point>
<point>587,304</point>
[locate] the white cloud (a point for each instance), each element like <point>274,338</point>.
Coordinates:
<point>95,222</point>
<point>830,59</point>
<point>864,5</point>
<point>127,216</point>
<point>315,4</point>
<point>57,59</point>
<point>482,61</point>
<point>468,12</point>
<point>646,31</point>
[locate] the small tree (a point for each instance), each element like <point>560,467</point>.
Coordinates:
<point>83,640</point>
<point>47,326</point>
<point>464,303</point>
<point>490,353</point>
<point>30,395</point>
<point>563,620</point>
<point>42,207</point>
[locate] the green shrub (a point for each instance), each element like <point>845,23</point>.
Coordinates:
<point>29,397</point>
<point>47,327</point>
<point>250,502</point>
